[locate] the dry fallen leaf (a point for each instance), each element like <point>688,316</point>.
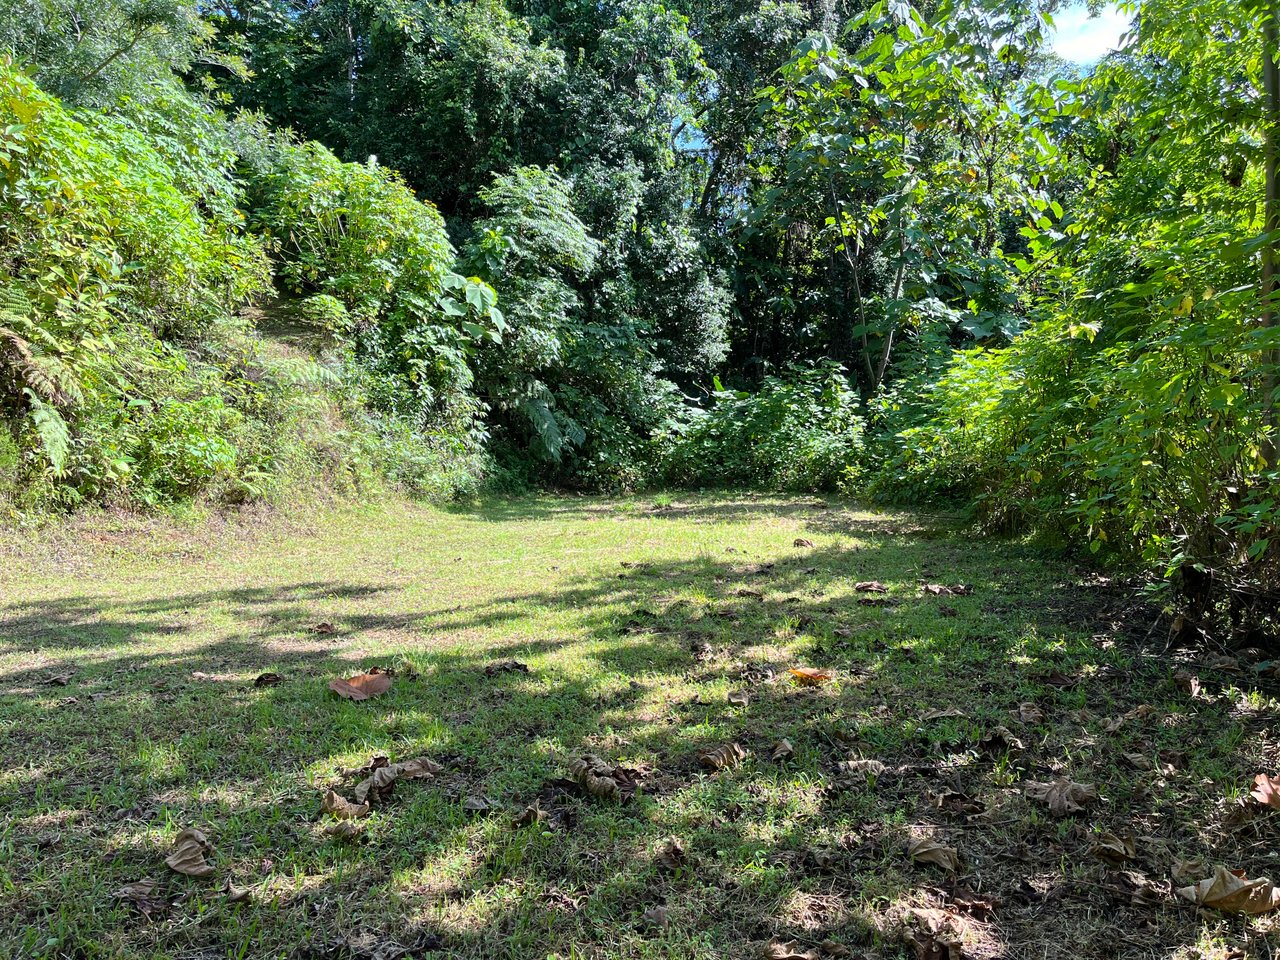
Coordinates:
<point>927,850</point>
<point>671,856</point>
<point>1063,796</point>
<point>809,676</point>
<point>942,713</point>
<point>655,919</point>
<point>598,778</point>
<point>802,542</point>
<point>344,829</point>
<point>739,698</point>
<point>1000,740</point>
<point>342,808</point>
<point>870,586</point>
<point>791,950</point>
<point>1030,713</point>
<point>954,801</point>
<point>1187,682</point>
<point>728,756</point>
<point>1231,892</point>
<point>1266,790</point>
<point>1056,678</point>
<point>533,813</point>
<point>505,666</point>
<point>1139,761</point>
<point>862,769</point>
<point>142,896</point>
<point>937,934</point>
<point>362,686</point>
<point>1113,848</point>
<point>782,750</point>
<point>954,590</point>
<point>190,848</point>
<point>379,784</point>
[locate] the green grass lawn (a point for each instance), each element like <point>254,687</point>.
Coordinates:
<point>637,621</point>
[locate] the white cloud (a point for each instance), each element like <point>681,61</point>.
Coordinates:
<point>1085,40</point>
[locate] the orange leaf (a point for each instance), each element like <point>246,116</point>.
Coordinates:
<point>362,686</point>
<point>809,677</point>
<point>1266,790</point>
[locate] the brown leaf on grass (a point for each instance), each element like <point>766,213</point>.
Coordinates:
<point>870,586</point>
<point>792,950</point>
<point>954,801</point>
<point>597,778</point>
<point>1232,892</point>
<point>379,784</point>
<point>1000,740</point>
<point>809,676</point>
<point>267,679</point>
<point>1113,848</point>
<point>190,848</point>
<point>655,919</point>
<point>1139,761</point>
<point>942,713</point>
<point>789,950</point>
<point>726,757</point>
<point>505,666</point>
<point>1056,678</point>
<point>671,855</point>
<point>362,686</point>
<point>142,896</point>
<point>1266,791</point>
<point>937,934</point>
<point>1030,713</point>
<point>533,813</point>
<point>802,542</point>
<point>1140,712</point>
<point>782,750</point>
<point>739,698</point>
<point>1184,871</point>
<point>419,768</point>
<point>344,829</point>
<point>324,628</point>
<point>862,769</point>
<point>954,590</point>
<point>342,808</point>
<point>1062,796</point>
<point>928,850</point>
<point>1187,682</point>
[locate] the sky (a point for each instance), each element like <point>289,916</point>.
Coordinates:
<point>1084,39</point>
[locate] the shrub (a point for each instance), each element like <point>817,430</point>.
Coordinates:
<point>801,432</point>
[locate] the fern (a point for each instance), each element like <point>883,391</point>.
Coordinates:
<point>33,353</point>
<point>52,435</point>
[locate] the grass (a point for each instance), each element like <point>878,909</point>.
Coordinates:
<point>636,620</point>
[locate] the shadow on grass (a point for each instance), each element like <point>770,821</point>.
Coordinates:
<point>790,849</point>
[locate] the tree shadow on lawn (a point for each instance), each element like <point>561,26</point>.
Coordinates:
<point>792,849</point>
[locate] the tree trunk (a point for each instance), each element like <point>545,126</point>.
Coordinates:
<point>1271,84</point>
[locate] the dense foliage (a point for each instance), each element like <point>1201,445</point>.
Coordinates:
<point>535,242</point>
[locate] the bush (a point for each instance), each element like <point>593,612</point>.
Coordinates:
<point>797,433</point>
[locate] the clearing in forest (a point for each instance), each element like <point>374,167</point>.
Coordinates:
<point>989,753</point>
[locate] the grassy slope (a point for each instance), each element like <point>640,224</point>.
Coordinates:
<point>94,788</point>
